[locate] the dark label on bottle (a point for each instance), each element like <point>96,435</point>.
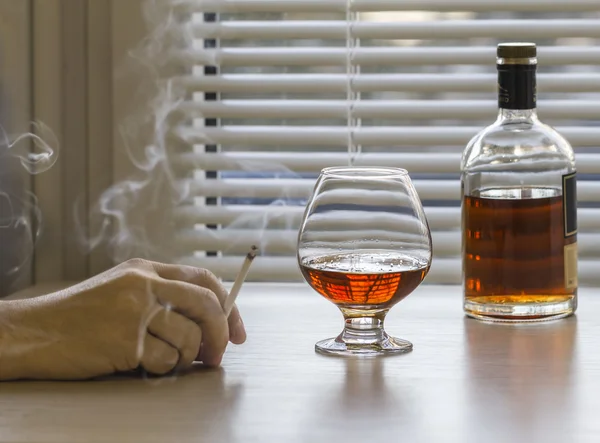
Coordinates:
<point>570,203</point>
<point>516,86</point>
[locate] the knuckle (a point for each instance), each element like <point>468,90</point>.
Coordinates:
<point>135,288</point>
<point>139,263</point>
<point>214,302</point>
<point>206,273</point>
<point>199,295</point>
<point>133,276</point>
<point>202,275</point>
<point>204,278</point>
<point>207,276</point>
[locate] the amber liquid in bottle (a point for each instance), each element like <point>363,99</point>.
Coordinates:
<point>353,281</point>
<point>519,208</point>
<point>515,249</point>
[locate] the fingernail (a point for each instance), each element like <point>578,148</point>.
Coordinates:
<point>238,333</point>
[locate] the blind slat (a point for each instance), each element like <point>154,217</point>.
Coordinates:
<point>331,83</point>
<point>300,188</point>
<point>369,56</point>
<point>364,136</point>
<point>289,217</point>
<point>238,6</point>
<point>414,162</point>
<point>388,109</point>
<point>443,271</point>
<point>238,241</point>
<point>427,30</point>
<point>432,190</point>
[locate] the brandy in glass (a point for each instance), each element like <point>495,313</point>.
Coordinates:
<point>364,245</point>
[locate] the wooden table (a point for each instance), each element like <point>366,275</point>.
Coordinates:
<point>465,381</point>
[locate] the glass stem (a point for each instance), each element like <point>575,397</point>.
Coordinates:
<point>363,329</point>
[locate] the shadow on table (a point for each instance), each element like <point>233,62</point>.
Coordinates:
<point>198,406</point>
<point>520,374</point>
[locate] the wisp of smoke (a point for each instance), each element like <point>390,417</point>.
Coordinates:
<point>20,217</point>
<point>152,191</point>
<point>38,155</point>
<point>138,215</point>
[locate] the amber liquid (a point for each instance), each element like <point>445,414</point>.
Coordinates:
<point>513,249</point>
<point>364,281</point>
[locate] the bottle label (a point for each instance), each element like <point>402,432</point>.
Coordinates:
<point>516,86</point>
<point>569,190</point>
<point>570,254</point>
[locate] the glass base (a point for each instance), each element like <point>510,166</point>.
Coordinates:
<point>363,336</point>
<point>515,312</point>
<point>387,346</point>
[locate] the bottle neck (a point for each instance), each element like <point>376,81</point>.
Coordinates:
<point>517,91</point>
<point>517,114</point>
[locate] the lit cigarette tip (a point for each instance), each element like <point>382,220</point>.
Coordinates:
<point>252,253</point>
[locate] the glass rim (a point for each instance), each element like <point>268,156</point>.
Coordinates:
<point>363,172</point>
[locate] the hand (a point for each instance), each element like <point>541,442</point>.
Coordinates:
<point>139,314</point>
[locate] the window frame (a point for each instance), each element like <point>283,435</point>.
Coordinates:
<point>71,92</point>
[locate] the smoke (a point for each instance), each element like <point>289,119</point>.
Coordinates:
<point>21,223</point>
<point>137,214</point>
<point>141,216</point>
<point>34,150</point>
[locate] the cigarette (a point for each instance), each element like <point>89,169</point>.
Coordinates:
<point>237,284</point>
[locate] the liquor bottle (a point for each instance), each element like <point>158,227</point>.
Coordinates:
<point>519,206</point>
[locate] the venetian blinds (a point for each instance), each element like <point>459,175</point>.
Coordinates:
<point>278,89</point>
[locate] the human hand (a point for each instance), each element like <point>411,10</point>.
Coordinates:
<point>139,314</point>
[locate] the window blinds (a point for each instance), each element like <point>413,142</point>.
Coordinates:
<point>278,89</point>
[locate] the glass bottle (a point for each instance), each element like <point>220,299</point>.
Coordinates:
<point>519,206</point>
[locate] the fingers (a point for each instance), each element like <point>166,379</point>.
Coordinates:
<point>205,278</point>
<point>202,306</point>
<point>158,357</point>
<point>178,331</point>
<point>196,276</point>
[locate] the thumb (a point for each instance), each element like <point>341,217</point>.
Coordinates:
<point>237,330</point>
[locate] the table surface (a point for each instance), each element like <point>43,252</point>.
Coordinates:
<point>465,381</point>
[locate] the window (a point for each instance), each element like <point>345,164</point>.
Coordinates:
<point>275,90</point>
